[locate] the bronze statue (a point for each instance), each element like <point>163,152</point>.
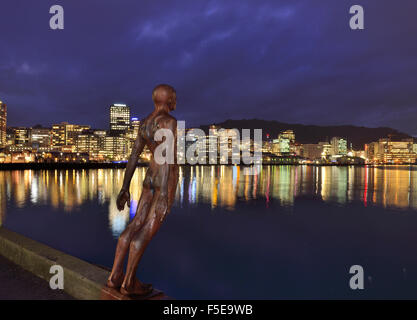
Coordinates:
<point>159,187</point>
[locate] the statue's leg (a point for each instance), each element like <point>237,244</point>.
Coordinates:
<point>172,185</point>
<point>116,277</point>
<point>153,221</point>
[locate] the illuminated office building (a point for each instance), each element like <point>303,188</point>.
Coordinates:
<point>115,148</point>
<point>3,124</point>
<point>327,149</point>
<point>40,138</point>
<point>58,135</point>
<point>119,119</point>
<point>88,142</point>
<point>9,137</point>
<point>285,144</point>
<point>65,134</point>
<point>400,151</point>
<point>339,146</point>
<point>132,133</point>
<point>134,125</point>
<point>72,131</point>
<point>21,136</point>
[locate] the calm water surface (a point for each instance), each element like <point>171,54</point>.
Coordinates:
<point>286,232</point>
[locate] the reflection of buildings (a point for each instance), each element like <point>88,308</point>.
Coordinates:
<point>214,186</point>
<point>118,220</point>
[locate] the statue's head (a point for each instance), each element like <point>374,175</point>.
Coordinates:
<point>164,94</point>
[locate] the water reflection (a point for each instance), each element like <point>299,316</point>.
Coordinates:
<point>216,186</point>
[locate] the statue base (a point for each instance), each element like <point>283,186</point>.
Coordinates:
<point>113,294</point>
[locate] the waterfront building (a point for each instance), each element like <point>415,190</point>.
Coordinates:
<point>312,151</point>
<point>3,124</point>
<point>229,147</point>
<point>387,150</point>
<point>65,134</point>
<point>298,149</point>
<point>134,125</point>
<point>327,149</point>
<point>19,139</point>
<point>100,134</point>
<point>275,147</point>
<point>115,148</point>
<point>132,133</point>
<point>338,146</point>
<point>400,151</point>
<point>267,146</point>
<point>40,138</point>
<point>284,145</point>
<point>72,131</point>
<point>58,135</point>
<point>119,119</point>
<point>88,142</point>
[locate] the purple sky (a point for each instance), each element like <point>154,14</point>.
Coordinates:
<point>292,61</point>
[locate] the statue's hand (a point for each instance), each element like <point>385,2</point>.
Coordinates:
<point>122,198</point>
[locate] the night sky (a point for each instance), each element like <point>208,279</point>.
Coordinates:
<point>292,61</point>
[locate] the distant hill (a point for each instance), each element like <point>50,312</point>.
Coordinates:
<point>358,136</point>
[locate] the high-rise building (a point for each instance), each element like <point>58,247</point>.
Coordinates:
<point>327,149</point>
<point>132,133</point>
<point>119,119</point>
<point>58,135</point>
<point>88,142</point>
<point>134,125</point>
<point>19,139</point>
<point>65,134</point>
<point>72,131</point>
<point>339,146</point>
<point>395,151</point>
<point>115,148</point>
<point>40,138</point>
<point>3,124</point>
<point>285,143</point>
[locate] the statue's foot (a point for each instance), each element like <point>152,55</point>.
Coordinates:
<point>115,280</point>
<point>138,289</point>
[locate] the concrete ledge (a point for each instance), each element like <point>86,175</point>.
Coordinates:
<point>82,280</point>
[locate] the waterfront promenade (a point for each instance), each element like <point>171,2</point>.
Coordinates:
<point>25,273</point>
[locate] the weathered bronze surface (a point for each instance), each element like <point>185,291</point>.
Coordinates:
<point>159,187</point>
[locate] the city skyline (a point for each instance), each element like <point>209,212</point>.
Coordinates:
<point>288,62</point>
<point>133,116</point>
<point>74,143</point>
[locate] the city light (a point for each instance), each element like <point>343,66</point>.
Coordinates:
<point>65,142</point>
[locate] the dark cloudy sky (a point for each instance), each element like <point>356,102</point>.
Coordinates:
<point>292,61</point>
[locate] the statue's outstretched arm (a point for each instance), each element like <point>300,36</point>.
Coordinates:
<point>133,161</point>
